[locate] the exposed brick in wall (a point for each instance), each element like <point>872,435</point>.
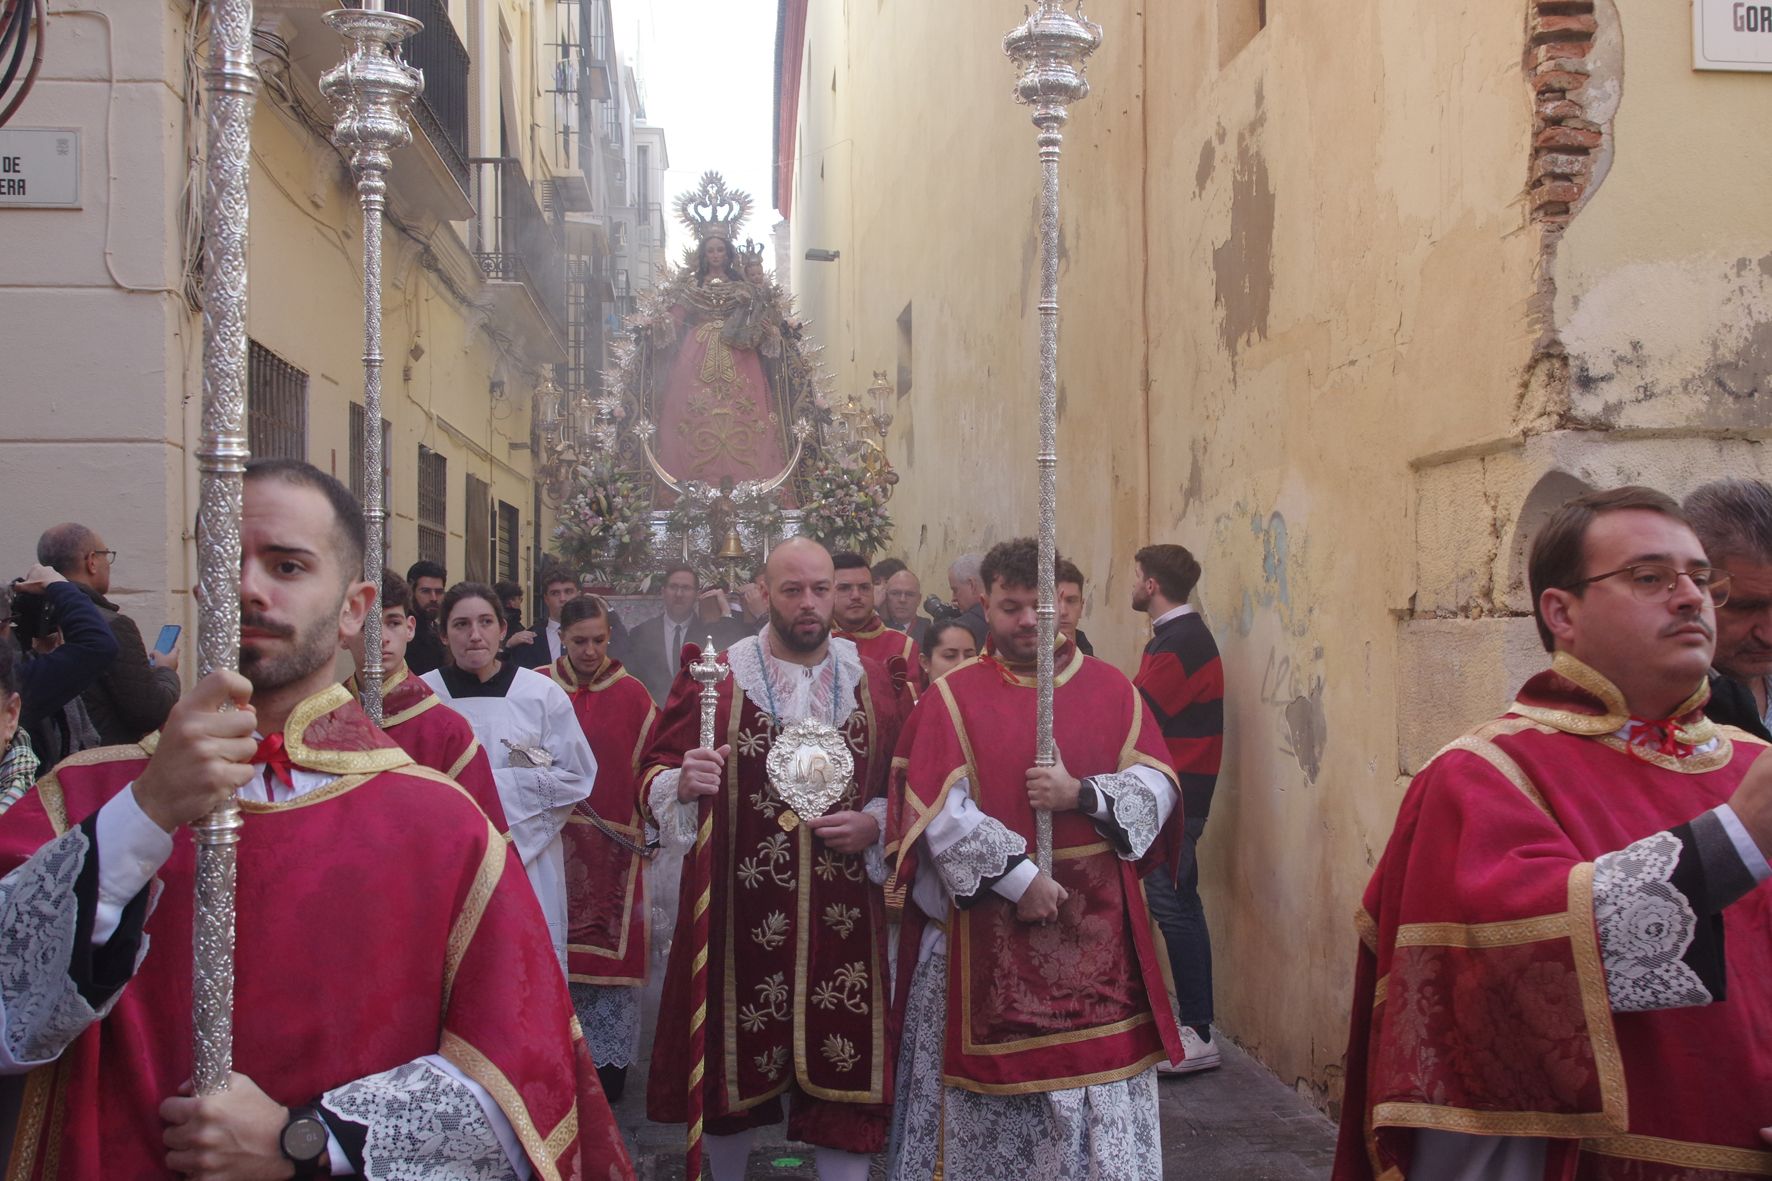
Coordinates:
<point>1565,140</point>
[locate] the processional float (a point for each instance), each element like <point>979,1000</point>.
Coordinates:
<point>1050,48</point>
<point>372,88</point>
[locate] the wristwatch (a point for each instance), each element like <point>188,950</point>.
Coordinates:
<point>1086,801</point>
<point>304,1142</point>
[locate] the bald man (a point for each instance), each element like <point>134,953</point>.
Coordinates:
<point>796,965</point>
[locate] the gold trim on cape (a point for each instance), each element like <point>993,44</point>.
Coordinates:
<point>334,762</point>
<point>477,1066</point>
<point>1682,1153</point>
<point>473,908</point>
<point>1116,1075</point>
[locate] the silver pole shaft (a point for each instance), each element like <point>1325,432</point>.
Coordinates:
<point>231,88</point>
<point>372,190</point>
<point>1046,751</point>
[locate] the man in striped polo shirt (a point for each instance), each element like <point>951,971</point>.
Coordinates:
<point>1183,682</point>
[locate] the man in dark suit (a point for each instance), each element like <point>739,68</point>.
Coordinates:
<point>539,645</point>
<point>1733,520</point>
<point>655,648</point>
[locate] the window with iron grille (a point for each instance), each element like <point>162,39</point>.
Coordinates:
<point>276,405</point>
<point>359,444</point>
<point>433,506</point>
<point>506,549</point>
<point>477,555</point>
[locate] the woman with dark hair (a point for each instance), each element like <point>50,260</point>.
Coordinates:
<point>527,726</point>
<point>18,762</point>
<point>947,645</point>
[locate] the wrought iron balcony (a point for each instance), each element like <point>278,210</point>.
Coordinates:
<point>442,110</point>
<point>516,244</point>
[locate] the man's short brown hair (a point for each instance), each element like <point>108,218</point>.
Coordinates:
<point>1066,570</point>
<point>1174,569</point>
<point>395,594</point>
<point>1012,563</point>
<point>1559,551</point>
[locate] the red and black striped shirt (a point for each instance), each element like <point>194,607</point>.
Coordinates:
<point>1182,679</point>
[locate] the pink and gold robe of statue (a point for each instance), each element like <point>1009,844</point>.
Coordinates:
<point>797,964</point>
<point>1528,946</point>
<point>439,738</point>
<point>380,919</point>
<point>606,934</point>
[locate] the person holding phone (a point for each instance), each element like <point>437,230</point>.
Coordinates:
<point>133,696</point>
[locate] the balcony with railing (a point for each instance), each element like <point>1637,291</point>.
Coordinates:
<point>521,254</point>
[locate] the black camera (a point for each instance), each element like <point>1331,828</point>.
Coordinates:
<point>938,609</point>
<point>33,617</point>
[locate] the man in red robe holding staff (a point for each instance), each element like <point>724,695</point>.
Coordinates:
<point>1565,969</point>
<point>398,1009</point>
<point>433,734</point>
<point>605,843</point>
<point>1039,999</point>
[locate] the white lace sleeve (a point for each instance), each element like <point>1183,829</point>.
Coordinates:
<point>675,819</point>
<point>422,1123</point>
<point>1133,805</point>
<point>985,852</point>
<point>874,857</point>
<point>537,801</point>
<point>41,1010</point>
<point>1645,927</point>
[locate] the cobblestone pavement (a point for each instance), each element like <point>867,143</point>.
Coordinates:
<point>1236,1123</point>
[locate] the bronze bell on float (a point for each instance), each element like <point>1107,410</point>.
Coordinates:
<point>733,550</point>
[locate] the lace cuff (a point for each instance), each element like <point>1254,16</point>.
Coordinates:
<point>982,854</point>
<point>874,856</point>
<point>1646,926</point>
<point>1133,807</point>
<point>413,1123</point>
<point>41,1008</point>
<point>674,818</point>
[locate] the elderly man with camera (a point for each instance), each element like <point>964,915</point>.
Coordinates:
<point>66,647</point>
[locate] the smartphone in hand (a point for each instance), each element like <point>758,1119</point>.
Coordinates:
<point>168,639</point>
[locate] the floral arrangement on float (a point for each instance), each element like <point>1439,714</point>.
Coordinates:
<point>605,528</point>
<point>846,509</point>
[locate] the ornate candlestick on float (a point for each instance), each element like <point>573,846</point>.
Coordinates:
<point>231,84</point>
<point>372,89</point>
<point>1050,48</point>
<point>708,673</point>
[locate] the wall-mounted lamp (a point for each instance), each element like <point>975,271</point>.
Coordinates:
<point>823,255</point>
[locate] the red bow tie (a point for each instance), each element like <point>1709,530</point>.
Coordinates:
<point>275,756</point>
<point>1658,738</point>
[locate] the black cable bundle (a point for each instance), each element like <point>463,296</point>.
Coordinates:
<point>17,17</point>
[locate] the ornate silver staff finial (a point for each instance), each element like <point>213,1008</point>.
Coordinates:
<point>371,90</point>
<point>1051,49</point>
<point>231,86</point>
<point>708,672</point>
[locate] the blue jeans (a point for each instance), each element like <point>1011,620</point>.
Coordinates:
<point>1175,905</point>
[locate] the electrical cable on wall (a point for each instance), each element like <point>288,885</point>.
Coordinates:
<point>22,25</point>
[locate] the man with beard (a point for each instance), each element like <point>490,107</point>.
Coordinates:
<point>470,1066</point>
<point>605,844</point>
<point>1563,967</point>
<point>433,734</point>
<point>1733,520</point>
<point>796,963</point>
<point>854,618</point>
<point>426,652</point>
<point>1036,1012</point>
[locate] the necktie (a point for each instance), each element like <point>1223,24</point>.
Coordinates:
<point>275,756</point>
<point>677,648</point>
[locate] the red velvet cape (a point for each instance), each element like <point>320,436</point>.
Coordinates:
<point>890,649</point>
<point>439,738</point>
<point>1480,1000</point>
<point>607,932</point>
<point>797,948</point>
<point>380,919</point>
<point>1082,1001</point>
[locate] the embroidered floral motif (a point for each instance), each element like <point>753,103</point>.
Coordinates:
<point>847,988</point>
<point>772,1004</point>
<point>755,743</point>
<point>831,864</point>
<point>840,1052</point>
<point>855,732</point>
<point>985,852</point>
<point>773,933</point>
<point>770,863</point>
<point>841,919</point>
<point>771,1062</point>
<point>1645,926</point>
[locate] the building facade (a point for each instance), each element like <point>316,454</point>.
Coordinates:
<point>1353,296</point>
<point>489,290</point>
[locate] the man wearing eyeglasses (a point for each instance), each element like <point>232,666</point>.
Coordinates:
<point>1564,967</point>
<point>140,688</point>
<point>1733,518</point>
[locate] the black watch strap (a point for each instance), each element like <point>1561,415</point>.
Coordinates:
<point>304,1143</point>
<point>1087,802</point>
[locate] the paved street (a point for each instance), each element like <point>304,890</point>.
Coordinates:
<point>1238,1123</point>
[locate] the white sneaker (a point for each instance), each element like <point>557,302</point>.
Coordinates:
<point>1198,1053</point>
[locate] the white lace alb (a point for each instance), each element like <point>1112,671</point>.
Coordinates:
<point>422,1125</point>
<point>985,852</point>
<point>1134,808</point>
<point>1645,926</point>
<point>797,691</point>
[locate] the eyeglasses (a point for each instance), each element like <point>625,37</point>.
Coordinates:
<point>110,555</point>
<point>1652,582</point>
